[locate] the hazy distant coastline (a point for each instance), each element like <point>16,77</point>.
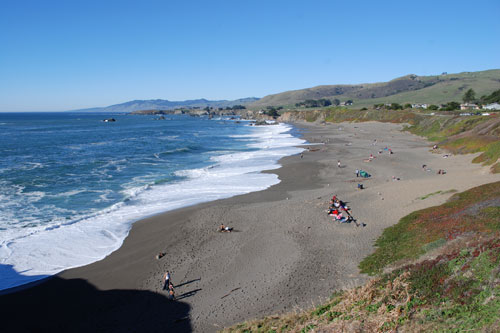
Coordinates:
<point>163,104</point>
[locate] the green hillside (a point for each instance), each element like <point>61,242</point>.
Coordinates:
<point>407,89</point>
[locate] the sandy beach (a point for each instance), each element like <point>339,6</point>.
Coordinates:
<point>285,253</point>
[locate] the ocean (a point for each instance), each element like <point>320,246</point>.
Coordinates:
<point>71,185</point>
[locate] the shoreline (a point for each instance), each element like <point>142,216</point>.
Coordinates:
<point>96,233</point>
<point>285,252</point>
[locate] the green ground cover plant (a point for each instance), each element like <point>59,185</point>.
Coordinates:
<point>470,211</point>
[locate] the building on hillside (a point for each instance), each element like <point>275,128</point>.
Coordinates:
<point>492,106</point>
<point>419,106</point>
<point>469,106</point>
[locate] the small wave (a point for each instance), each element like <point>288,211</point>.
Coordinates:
<point>167,137</point>
<point>34,195</point>
<point>194,173</point>
<point>81,146</point>
<point>163,181</point>
<point>173,151</point>
<point>100,143</point>
<point>31,166</point>
<point>133,192</point>
<point>104,196</point>
<point>68,193</point>
<point>253,136</point>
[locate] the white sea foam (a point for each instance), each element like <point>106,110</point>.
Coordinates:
<point>68,193</point>
<point>46,250</point>
<point>104,196</point>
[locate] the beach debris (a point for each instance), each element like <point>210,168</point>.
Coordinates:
<point>160,255</point>
<point>230,292</point>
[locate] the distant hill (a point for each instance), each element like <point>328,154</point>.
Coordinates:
<point>163,104</point>
<point>411,88</point>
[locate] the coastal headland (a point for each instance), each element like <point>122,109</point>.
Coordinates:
<point>284,253</point>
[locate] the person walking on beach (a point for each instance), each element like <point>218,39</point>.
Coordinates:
<point>357,173</point>
<point>338,163</point>
<point>166,279</point>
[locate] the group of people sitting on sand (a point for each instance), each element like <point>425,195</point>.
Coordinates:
<point>340,211</point>
<point>439,172</point>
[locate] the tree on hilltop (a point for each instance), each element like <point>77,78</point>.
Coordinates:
<point>469,96</point>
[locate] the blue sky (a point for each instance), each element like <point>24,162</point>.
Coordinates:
<point>60,55</point>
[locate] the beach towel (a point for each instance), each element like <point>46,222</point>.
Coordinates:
<point>364,174</point>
